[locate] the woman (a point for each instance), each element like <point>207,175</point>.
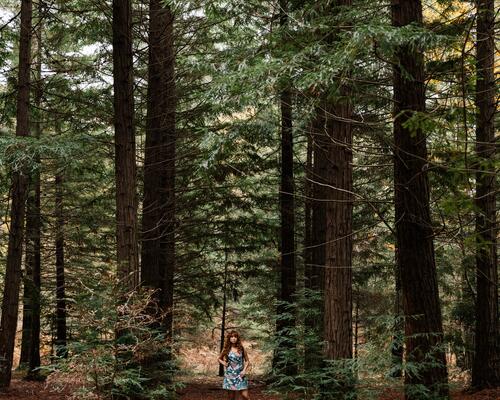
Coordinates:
<point>235,359</point>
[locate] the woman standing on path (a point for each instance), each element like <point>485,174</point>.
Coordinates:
<point>235,359</point>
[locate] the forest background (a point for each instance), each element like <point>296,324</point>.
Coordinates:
<point>320,176</point>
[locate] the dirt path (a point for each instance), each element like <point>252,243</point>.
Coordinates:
<point>24,390</point>
<point>197,388</point>
<point>210,388</point>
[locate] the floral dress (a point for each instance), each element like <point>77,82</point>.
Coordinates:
<point>232,378</point>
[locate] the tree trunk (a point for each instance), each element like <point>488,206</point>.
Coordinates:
<point>224,306</point>
<point>356,328</point>
<point>423,326</point>
<point>486,366</point>
<point>125,167</point>
<point>308,188</point>
<point>320,171</point>
<point>338,302</point>
<point>158,219</point>
<point>397,350</point>
<point>30,343</point>
<point>287,286</point>
<point>34,349</point>
<point>30,352</point>
<point>61,339</point>
<point>338,257</point>
<point>126,181</point>
<point>31,281</point>
<point>316,177</point>
<point>19,191</point>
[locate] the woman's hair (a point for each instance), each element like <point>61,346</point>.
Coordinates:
<point>228,344</point>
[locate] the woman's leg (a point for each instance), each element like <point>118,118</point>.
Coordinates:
<point>244,394</point>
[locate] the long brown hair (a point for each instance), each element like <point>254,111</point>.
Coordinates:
<point>228,344</point>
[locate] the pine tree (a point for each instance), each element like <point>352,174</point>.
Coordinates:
<point>338,234</point>
<point>30,343</point>
<point>486,368</point>
<point>423,324</point>
<point>126,198</point>
<point>61,312</point>
<point>19,193</point>
<point>158,221</point>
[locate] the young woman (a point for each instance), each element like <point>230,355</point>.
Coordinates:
<point>235,360</point>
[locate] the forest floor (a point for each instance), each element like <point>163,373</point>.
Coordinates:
<point>196,388</point>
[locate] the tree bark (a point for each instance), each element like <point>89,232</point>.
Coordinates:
<point>125,167</point>
<point>338,298</point>
<point>224,306</point>
<point>19,191</point>
<point>126,181</point>
<point>158,219</point>
<point>315,242</point>
<point>338,302</point>
<point>423,326</point>
<point>158,251</point>
<point>35,295</point>
<point>308,188</point>
<point>320,172</point>
<point>61,334</point>
<point>397,350</point>
<point>486,365</point>
<point>30,343</point>
<point>338,257</point>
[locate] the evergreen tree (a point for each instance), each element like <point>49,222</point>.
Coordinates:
<point>486,371</point>
<point>19,193</point>
<point>414,231</point>
<point>126,197</point>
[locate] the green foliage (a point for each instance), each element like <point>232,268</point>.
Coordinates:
<point>418,122</point>
<point>115,368</point>
<point>232,58</point>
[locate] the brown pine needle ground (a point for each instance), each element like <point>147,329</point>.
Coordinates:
<point>197,388</point>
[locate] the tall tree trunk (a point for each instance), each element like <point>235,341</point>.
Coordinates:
<point>125,176</point>
<point>34,343</point>
<point>34,358</point>
<point>338,302</point>
<point>125,167</point>
<point>356,327</point>
<point>486,366</point>
<point>308,189</point>
<point>314,271</point>
<point>338,257</point>
<point>158,220</point>
<point>466,360</point>
<point>30,343</point>
<point>19,191</point>
<point>397,350</point>
<point>285,326</point>
<point>423,326</point>
<point>61,339</point>
<point>224,306</point>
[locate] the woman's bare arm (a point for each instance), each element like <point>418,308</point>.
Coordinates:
<point>247,364</point>
<point>222,361</point>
